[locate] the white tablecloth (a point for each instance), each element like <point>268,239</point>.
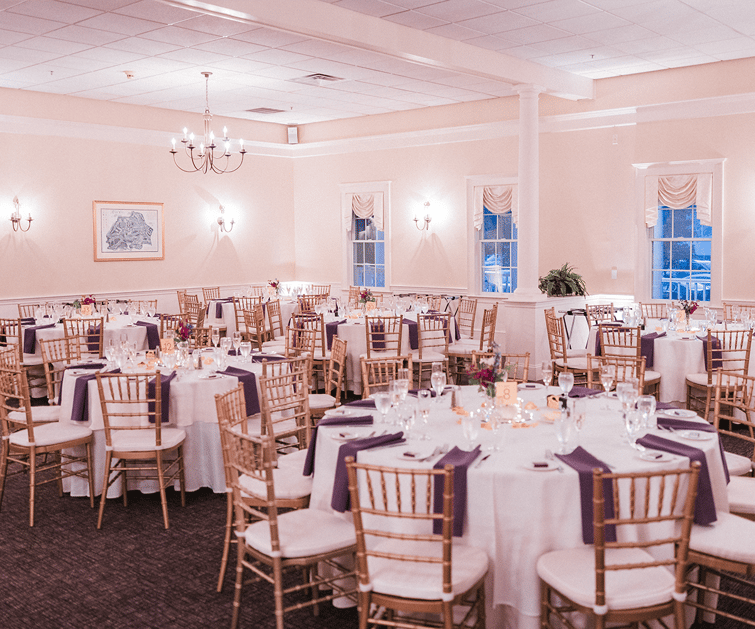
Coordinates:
<point>517,514</point>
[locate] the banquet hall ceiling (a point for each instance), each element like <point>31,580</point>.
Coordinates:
<point>387,55</point>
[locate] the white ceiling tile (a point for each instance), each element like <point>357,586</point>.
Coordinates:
<point>142,46</point>
<point>513,4</point>
<point>156,12</point>
<point>631,32</point>
<point>230,47</point>
<point>727,46</point>
<point>692,61</point>
<point>281,72</point>
<point>81,64</point>
<point>15,85</point>
<point>5,4</point>
<point>240,65</point>
<point>499,22</point>
<point>651,44</point>
<point>179,36</point>
<point>591,23</point>
<point>83,35</point>
<point>524,52</point>
<point>316,48</point>
<point>416,20</point>
<point>108,55</point>
<point>534,34</point>
<point>102,5</point>
<point>453,10</point>
<point>28,24</point>
<point>362,58</point>
<point>8,38</point>
<point>53,10</point>
<point>674,55</point>
<point>611,5</point>
<point>122,24</point>
<point>59,46</point>
<point>375,8</point>
<point>270,37</point>
<point>11,65</point>
<point>194,56</point>
<point>28,56</point>
<point>557,10</point>
<point>454,31</point>
<point>216,26</point>
<point>564,45</point>
<point>276,56</point>
<point>717,33</point>
<point>491,42</point>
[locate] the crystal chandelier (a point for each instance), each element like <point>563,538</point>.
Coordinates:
<point>209,156</point>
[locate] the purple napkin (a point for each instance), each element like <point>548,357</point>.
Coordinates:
<point>331,329</point>
<point>27,320</point>
<point>259,358</point>
<point>333,420</point>
<point>705,506</point>
<point>584,462</point>
<point>153,334</point>
<point>597,336</point>
<point>461,460</point>
<point>82,366</point>
<point>715,352</point>
<point>367,403</point>
<point>93,338</point>
<point>80,406</point>
<point>340,500</point>
<point>583,392</point>
<point>457,332</point>
<point>413,333</point>
<point>249,380</point>
<point>647,348</point>
<point>681,424</point>
<point>30,336</point>
<point>377,328</point>
<point>219,306</point>
<point>664,406</point>
<point>164,396</point>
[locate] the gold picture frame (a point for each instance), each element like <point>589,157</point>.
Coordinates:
<point>128,231</point>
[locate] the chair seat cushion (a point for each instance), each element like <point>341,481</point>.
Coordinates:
<point>572,572</point>
<point>725,538</point>
<point>425,580</point>
<point>428,356</point>
<point>738,465</point>
<point>290,484</point>
<point>651,377</point>
<point>303,533</point>
<point>578,363</point>
<point>39,414</point>
<point>319,401</point>
<point>51,434</point>
<point>701,380</point>
<point>143,439</point>
<point>274,345</point>
<point>294,460</point>
<point>320,356</point>
<point>741,490</point>
<point>576,353</point>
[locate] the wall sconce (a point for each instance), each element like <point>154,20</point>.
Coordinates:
<point>222,222</point>
<point>426,220</point>
<point>16,219</point>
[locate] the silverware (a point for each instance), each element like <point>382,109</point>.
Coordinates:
<point>549,455</point>
<point>434,453</point>
<point>482,460</point>
<point>389,445</point>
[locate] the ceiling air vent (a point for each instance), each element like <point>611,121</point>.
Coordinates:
<point>265,110</point>
<point>317,79</point>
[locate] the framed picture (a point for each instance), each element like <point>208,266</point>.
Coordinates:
<point>125,230</point>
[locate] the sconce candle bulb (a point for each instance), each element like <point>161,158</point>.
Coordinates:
<point>425,220</point>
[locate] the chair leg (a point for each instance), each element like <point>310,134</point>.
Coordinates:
<point>90,475</point>
<point>32,483</point>
<point>364,608</point>
<point>59,463</point>
<point>161,482</point>
<point>226,540</point>
<point>103,498</point>
<point>239,584</point>
<point>182,476</point>
<point>278,591</point>
<point>3,468</point>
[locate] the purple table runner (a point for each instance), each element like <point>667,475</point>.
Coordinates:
<point>340,500</point>
<point>705,506</point>
<point>249,382</point>
<point>413,333</point>
<point>584,463</point>
<point>361,403</point>
<point>579,392</point>
<point>153,334</point>
<point>461,460</point>
<point>30,336</point>
<point>164,397</point>
<point>331,329</point>
<point>333,420</point>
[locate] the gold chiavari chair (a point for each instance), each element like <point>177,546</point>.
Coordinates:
<point>625,367</point>
<point>379,372</point>
<point>516,365</point>
<point>465,317</point>
<point>460,353</point>
<point>654,310</point>
<point>169,323</point>
<point>334,376</point>
<point>354,295</point>
<point>254,325</point>
<point>433,331</point>
<point>240,306</point>
<point>627,341</point>
<point>87,334</point>
<point>57,356</point>
<point>563,359</point>
<point>274,317</point>
<point>27,310</point>
<point>734,311</point>
<point>599,313</point>
<point>320,289</point>
<point>384,334</point>
<point>212,292</point>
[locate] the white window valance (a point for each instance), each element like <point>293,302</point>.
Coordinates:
<point>364,205</point>
<point>678,192</point>
<point>498,199</point>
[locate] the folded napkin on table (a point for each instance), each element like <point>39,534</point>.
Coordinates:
<point>647,347</point>
<point>461,460</point>
<point>583,392</point>
<point>30,336</point>
<point>413,333</point>
<point>28,320</point>
<point>362,403</point>
<point>584,462</point>
<point>259,358</point>
<point>331,329</point>
<point>705,506</point>
<point>682,424</point>
<point>332,420</point>
<point>80,406</point>
<point>164,397</point>
<point>664,406</point>
<point>153,334</point>
<point>81,366</point>
<point>340,500</point>
<point>219,306</point>
<point>249,381</point>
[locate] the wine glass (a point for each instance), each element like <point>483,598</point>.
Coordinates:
<point>424,399</point>
<point>406,411</point>
<point>547,372</point>
<point>646,405</point>
<point>566,382</point>
<point>225,344</point>
<point>246,349</point>
<point>382,404</point>
<point>236,339</point>
<point>438,382</point>
<point>564,425</point>
<point>215,336</point>
<point>580,413</point>
<point>403,382</point>
<point>626,394</point>
<point>633,421</point>
<point>496,424</point>
<point>169,360</point>
<point>470,425</point>
<point>607,375</point>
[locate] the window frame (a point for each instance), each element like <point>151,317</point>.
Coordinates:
<point>643,275</point>
<point>347,241</point>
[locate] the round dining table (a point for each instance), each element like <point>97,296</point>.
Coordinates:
<point>520,501</point>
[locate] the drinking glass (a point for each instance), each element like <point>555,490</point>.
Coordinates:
<point>470,425</point>
<point>646,405</point>
<point>225,344</point>
<point>496,424</point>
<point>580,414</point>
<point>633,423</point>
<point>438,382</point>
<point>626,394</point>
<point>566,381</point>
<point>406,411</point>
<point>246,349</point>
<point>564,426</point>
<point>169,360</point>
<point>215,336</point>
<point>607,375</point>
<point>403,382</point>
<point>236,339</point>
<point>424,399</point>
<point>547,371</point>
<point>382,404</point>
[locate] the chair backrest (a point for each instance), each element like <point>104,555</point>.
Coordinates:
<point>517,365</point>
<point>379,372</point>
<point>654,310</point>
<point>625,367</point>
<point>435,302</point>
<point>394,510</point>
<point>15,405</point>
<point>336,368</point>
<point>181,294</point>
<point>433,332</point>
<point>384,334</point>
<point>487,332</point>
<point>11,335</point>
<point>354,295</point>
<point>727,350</point>
<point>308,303</point>
<point>131,402</point>
<point>662,503</point>
<point>732,310</point>
<point>620,340</point>
<point>231,410</point>
<point>254,324</point>
<point>554,326</point>
<point>57,355</point>
<point>213,292</point>
<point>240,305</point>
<point>320,289</point>
<point>599,313</point>
<point>465,317</point>
<point>200,337</point>
<point>284,400</point>
<point>87,333</point>
<point>27,310</point>
<point>734,410</point>
<point>194,311</point>
<point>169,323</point>
<point>313,322</point>
<point>275,318</point>
<point>258,290</point>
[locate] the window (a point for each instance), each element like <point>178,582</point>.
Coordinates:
<point>368,255</point>
<point>498,253</point>
<point>681,255</point>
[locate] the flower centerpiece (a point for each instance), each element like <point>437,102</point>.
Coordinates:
<point>689,307</point>
<point>485,374</point>
<point>366,295</point>
<point>274,286</point>
<point>183,331</point>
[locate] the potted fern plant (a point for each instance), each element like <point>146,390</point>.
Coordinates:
<point>562,282</point>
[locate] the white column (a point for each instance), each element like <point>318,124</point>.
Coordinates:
<point>529,192</point>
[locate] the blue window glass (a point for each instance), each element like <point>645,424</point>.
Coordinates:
<point>498,253</point>
<point>368,261</point>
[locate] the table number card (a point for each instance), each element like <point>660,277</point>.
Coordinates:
<point>370,305</point>
<point>86,310</point>
<point>167,344</point>
<point>505,393</point>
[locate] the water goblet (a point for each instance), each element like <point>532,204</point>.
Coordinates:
<point>215,336</point>
<point>626,394</point>
<point>547,372</point>
<point>424,399</point>
<point>236,340</point>
<point>382,404</point>
<point>566,382</point>
<point>607,375</point>
<point>225,344</point>
<point>169,360</point>
<point>646,405</point>
<point>470,425</point>
<point>580,414</point>
<point>406,411</point>
<point>246,349</point>
<point>403,380</point>
<point>497,421</point>
<point>564,425</point>
<point>438,382</point>
<point>633,421</point>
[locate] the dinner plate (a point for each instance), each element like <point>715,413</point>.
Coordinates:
<point>414,454</point>
<point>347,412</point>
<point>695,435</point>
<point>344,436</point>
<point>541,466</point>
<point>209,376</point>
<point>681,413</point>
<point>530,386</point>
<point>654,456</point>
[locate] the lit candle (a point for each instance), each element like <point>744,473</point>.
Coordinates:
<point>185,131</point>
<point>241,142</point>
<point>225,132</point>
<point>227,148</point>
<point>173,141</point>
